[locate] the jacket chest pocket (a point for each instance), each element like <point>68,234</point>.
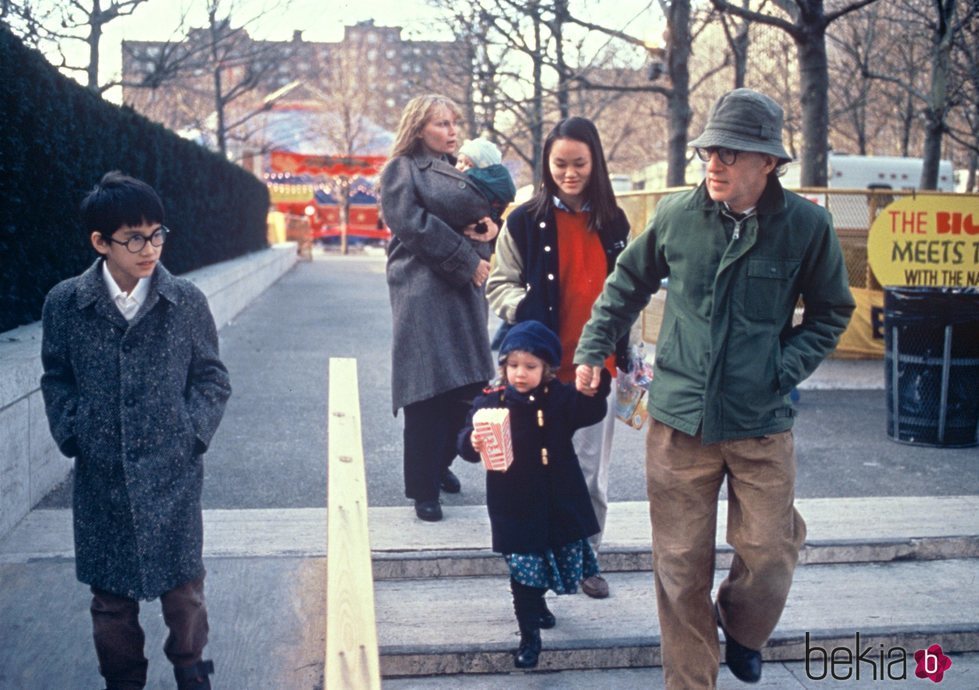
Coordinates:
<point>767,287</point>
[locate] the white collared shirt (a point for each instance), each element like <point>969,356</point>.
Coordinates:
<point>127,303</point>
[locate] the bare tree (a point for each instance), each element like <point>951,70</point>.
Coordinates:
<point>964,127</point>
<point>52,27</point>
<point>681,36</point>
<point>942,22</point>
<point>342,123</point>
<point>806,24</point>
<point>215,81</point>
<point>857,114</point>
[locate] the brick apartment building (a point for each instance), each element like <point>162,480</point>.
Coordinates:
<point>372,71</point>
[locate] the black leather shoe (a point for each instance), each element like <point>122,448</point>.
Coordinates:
<point>194,677</point>
<point>529,650</point>
<point>450,482</point>
<point>744,663</point>
<point>547,619</point>
<point>429,511</point>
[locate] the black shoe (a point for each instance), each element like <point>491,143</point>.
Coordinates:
<point>547,619</point>
<point>529,650</point>
<point>744,663</point>
<point>194,677</point>
<point>450,482</point>
<point>429,511</point>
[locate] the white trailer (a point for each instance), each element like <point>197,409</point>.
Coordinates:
<point>874,172</point>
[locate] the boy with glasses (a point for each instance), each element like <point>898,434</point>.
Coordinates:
<point>134,390</point>
<point>739,251</point>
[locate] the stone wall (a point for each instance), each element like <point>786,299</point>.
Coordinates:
<point>30,463</point>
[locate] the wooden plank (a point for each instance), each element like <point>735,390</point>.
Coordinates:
<point>351,632</point>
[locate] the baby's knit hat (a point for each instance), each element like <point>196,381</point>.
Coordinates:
<point>535,338</point>
<point>482,152</point>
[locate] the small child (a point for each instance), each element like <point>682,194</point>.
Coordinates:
<point>134,390</point>
<point>540,511</point>
<point>481,160</point>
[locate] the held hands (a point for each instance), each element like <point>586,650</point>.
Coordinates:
<point>587,379</point>
<point>492,230</point>
<point>482,273</point>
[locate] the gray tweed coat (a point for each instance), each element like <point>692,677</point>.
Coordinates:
<point>440,317</point>
<point>136,405</point>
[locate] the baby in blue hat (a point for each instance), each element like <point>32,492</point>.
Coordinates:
<point>481,160</point>
<point>540,510</point>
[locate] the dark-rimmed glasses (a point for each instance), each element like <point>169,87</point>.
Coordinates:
<point>136,243</point>
<point>727,156</point>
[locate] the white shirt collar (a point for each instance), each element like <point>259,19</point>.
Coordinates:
<point>128,304</point>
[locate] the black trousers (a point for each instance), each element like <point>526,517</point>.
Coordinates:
<point>431,428</point>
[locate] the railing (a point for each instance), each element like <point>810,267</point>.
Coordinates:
<point>351,631</point>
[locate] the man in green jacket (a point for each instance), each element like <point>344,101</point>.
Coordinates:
<point>739,253</point>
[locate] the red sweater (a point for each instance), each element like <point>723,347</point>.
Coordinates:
<point>581,276</point>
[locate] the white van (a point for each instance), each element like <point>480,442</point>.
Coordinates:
<point>873,172</point>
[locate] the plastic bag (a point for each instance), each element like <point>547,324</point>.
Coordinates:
<point>630,397</point>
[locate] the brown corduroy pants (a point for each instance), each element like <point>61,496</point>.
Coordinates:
<point>119,638</point>
<point>683,478</point>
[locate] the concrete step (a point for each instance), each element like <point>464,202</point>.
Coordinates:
<point>777,676</point>
<point>465,625</point>
<point>851,530</point>
<point>857,530</point>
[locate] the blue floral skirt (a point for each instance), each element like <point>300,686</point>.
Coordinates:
<point>559,569</point>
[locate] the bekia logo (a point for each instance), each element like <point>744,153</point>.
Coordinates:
<point>870,663</point>
<point>932,663</point>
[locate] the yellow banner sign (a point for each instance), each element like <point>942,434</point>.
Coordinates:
<point>930,240</point>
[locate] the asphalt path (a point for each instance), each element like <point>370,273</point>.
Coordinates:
<point>270,451</point>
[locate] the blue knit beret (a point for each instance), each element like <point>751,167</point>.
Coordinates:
<point>535,338</point>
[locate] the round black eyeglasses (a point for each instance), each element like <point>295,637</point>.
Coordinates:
<point>727,156</point>
<point>136,243</point>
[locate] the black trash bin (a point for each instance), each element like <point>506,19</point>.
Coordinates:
<point>931,343</point>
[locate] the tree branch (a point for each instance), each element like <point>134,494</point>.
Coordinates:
<point>758,17</point>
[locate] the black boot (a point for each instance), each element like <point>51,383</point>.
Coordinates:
<point>529,649</point>
<point>546,619</point>
<point>194,677</point>
<point>527,604</point>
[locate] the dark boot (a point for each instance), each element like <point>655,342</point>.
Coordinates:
<point>194,677</point>
<point>529,649</point>
<point>527,605</point>
<point>546,619</point>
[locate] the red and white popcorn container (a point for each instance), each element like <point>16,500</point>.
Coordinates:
<point>492,425</point>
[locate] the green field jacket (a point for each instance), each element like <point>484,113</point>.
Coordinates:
<point>728,353</point>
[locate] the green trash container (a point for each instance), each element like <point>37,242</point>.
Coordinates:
<point>931,344</point>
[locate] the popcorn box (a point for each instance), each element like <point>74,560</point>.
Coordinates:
<point>492,424</point>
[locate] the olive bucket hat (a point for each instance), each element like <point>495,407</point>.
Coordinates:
<point>745,120</point>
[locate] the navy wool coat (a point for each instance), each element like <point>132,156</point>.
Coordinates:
<point>441,339</point>
<point>533,506</point>
<point>135,403</point>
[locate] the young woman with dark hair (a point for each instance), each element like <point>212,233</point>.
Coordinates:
<point>552,258</point>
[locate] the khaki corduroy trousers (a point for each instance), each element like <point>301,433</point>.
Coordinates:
<point>683,479</point>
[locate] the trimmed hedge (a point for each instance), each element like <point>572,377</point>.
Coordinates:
<point>57,139</point>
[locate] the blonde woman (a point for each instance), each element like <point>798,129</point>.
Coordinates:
<point>437,265</point>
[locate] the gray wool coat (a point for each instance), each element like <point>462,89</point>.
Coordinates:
<point>135,403</point>
<point>440,317</point>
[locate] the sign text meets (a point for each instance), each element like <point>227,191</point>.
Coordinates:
<point>928,240</point>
